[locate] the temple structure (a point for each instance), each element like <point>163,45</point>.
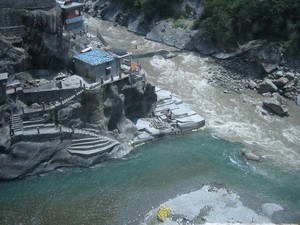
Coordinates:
<point>72,18</point>
<point>97,65</point>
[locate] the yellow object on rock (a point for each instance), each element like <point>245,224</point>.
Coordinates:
<point>163,213</point>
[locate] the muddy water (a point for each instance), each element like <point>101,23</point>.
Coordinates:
<point>234,117</point>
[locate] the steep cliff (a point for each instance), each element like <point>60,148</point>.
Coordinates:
<point>94,128</point>
<point>31,36</point>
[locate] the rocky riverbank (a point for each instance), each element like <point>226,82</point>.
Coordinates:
<point>212,205</point>
<point>254,65</point>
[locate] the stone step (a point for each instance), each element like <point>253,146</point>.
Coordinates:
<point>83,140</point>
<point>99,141</point>
<point>92,151</point>
<point>18,129</point>
<point>17,120</point>
<point>90,147</point>
<point>32,122</point>
<point>34,126</point>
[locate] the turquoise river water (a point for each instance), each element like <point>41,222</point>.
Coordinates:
<point>123,191</point>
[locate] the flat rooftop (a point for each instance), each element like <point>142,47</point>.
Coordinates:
<point>3,76</point>
<point>74,5</point>
<point>95,57</point>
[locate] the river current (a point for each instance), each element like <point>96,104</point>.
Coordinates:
<point>124,191</point>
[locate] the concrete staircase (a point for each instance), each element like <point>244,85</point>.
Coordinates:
<point>91,146</point>
<point>17,125</point>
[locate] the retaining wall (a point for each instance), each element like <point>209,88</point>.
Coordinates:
<point>48,96</point>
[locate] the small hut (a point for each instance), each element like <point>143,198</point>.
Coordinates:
<point>96,64</point>
<point>71,16</point>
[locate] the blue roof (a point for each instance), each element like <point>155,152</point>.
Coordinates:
<point>95,57</point>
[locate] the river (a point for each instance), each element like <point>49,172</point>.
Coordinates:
<point>124,191</point>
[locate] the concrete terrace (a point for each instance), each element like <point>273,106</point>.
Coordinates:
<point>85,142</point>
<point>171,116</point>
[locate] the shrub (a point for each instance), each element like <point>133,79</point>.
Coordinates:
<point>233,21</point>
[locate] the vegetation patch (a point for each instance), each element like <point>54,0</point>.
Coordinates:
<point>234,21</point>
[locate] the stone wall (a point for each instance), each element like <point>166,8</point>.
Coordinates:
<point>48,96</point>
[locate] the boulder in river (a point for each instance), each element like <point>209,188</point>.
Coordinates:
<point>267,86</point>
<point>276,104</point>
<point>251,156</point>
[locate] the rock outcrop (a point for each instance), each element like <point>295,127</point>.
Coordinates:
<point>276,104</point>
<point>31,36</point>
<point>270,56</point>
<point>267,86</point>
<point>44,40</point>
<point>13,59</point>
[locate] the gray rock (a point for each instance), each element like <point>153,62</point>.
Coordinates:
<point>165,32</point>
<point>137,25</point>
<point>282,81</point>
<point>270,208</point>
<point>170,55</point>
<point>252,84</point>
<point>5,138</point>
<point>262,110</point>
<point>270,56</point>
<point>276,104</point>
<point>267,86</point>
<point>251,156</point>
<point>69,112</point>
<point>200,43</point>
<point>298,100</point>
<point>267,94</point>
<point>289,75</point>
<point>249,46</point>
<point>12,58</point>
<point>279,73</point>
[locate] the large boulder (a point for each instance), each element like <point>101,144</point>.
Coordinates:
<point>276,104</point>
<point>138,25</point>
<point>12,59</point>
<point>44,40</point>
<point>167,32</point>
<point>32,36</point>
<point>267,86</point>
<point>201,43</point>
<point>270,56</point>
<point>282,81</point>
